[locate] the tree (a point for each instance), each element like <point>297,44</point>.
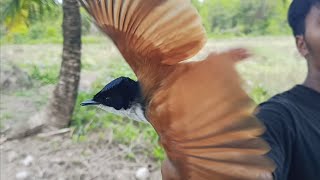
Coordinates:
<point>21,12</point>
<point>58,112</point>
<point>61,106</point>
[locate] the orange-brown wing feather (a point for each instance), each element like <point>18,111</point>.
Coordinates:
<point>150,31</point>
<point>205,122</point>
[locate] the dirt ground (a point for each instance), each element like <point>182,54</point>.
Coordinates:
<point>60,157</point>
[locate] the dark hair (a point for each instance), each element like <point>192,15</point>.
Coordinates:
<point>298,11</point>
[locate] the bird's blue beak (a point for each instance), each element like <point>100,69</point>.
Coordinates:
<point>89,102</point>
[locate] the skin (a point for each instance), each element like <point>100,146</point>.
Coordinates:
<point>309,47</point>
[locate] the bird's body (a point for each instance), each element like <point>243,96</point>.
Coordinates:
<point>199,110</point>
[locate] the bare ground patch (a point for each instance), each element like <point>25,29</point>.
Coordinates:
<point>59,157</point>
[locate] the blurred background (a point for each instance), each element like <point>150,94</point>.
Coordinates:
<point>93,144</point>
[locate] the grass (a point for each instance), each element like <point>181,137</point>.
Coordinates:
<point>125,131</point>
<point>275,67</point>
<point>4,116</point>
<point>24,93</point>
<point>45,74</point>
<point>22,40</point>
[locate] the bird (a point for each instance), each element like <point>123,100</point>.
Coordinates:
<point>122,97</point>
<point>204,119</point>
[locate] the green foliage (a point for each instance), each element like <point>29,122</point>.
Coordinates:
<point>4,116</point>
<point>127,133</point>
<point>221,19</point>
<point>118,69</point>
<point>158,153</point>
<point>24,93</point>
<point>259,94</point>
<point>42,22</point>
<point>38,27</point>
<point>85,21</point>
<point>45,75</point>
<point>238,17</point>
<point>28,10</point>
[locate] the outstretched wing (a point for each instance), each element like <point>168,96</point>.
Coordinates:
<point>150,31</point>
<point>205,122</point>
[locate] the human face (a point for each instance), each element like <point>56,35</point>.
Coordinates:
<point>309,47</point>
<point>312,37</point>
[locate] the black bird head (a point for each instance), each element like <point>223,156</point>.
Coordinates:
<point>121,96</point>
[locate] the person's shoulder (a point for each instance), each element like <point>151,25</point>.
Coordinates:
<point>279,107</point>
<point>277,114</point>
<point>280,101</point>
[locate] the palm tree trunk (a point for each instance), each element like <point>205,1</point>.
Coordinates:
<point>61,105</point>
<point>58,113</point>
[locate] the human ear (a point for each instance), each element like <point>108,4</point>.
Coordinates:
<point>301,45</point>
